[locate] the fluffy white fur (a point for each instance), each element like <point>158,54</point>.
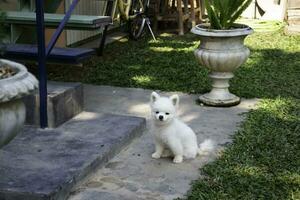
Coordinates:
<point>172,136</point>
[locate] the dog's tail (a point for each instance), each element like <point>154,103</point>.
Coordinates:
<point>206,147</point>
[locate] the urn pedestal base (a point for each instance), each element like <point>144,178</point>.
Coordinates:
<point>207,100</point>
<point>220,95</point>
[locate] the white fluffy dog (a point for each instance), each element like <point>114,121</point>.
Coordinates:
<point>172,136</point>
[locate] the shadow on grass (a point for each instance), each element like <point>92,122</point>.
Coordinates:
<point>263,162</point>
<point>169,65</point>
<point>268,73</point>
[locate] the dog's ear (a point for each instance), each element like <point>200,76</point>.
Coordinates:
<point>154,97</point>
<point>175,99</point>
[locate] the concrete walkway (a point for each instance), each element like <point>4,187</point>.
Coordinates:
<point>133,174</point>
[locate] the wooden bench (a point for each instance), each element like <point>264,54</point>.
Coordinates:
<point>79,22</point>
<point>53,20</point>
<point>57,55</point>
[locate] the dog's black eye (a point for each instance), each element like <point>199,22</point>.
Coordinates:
<point>156,112</point>
<point>167,113</point>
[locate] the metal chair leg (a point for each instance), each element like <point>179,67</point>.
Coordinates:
<point>102,42</point>
<point>150,29</point>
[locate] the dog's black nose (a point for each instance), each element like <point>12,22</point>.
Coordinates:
<point>161,117</point>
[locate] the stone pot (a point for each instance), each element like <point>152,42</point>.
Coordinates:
<point>221,51</point>
<point>12,109</point>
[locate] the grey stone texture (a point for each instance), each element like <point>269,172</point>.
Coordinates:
<point>12,109</point>
<point>133,174</point>
<point>46,164</point>
<point>65,100</point>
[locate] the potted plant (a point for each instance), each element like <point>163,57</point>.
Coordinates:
<point>15,82</point>
<point>222,48</point>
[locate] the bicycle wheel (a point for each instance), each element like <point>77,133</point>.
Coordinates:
<point>137,21</point>
<point>136,27</point>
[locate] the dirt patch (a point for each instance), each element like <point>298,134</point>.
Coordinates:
<point>6,71</point>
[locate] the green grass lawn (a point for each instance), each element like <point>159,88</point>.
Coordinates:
<point>263,162</point>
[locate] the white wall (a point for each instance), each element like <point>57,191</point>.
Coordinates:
<point>273,11</point>
<point>84,7</point>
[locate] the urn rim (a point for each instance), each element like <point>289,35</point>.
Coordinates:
<point>18,85</point>
<point>237,30</point>
<point>20,70</point>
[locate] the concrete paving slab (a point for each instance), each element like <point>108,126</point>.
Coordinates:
<point>133,174</point>
<point>46,164</point>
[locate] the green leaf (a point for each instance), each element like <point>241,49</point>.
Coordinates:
<point>239,11</point>
<point>223,13</point>
<point>2,29</point>
<point>214,19</point>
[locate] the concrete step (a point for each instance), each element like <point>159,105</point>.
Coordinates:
<point>65,100</point>
<point>46,164</point>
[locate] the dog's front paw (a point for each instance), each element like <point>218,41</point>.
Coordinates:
<point>178,159</point>
<point>156,155</point>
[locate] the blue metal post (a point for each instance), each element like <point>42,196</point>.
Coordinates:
<point>40,28</point>
<point>61,27</point>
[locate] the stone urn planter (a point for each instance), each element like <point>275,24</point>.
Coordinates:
<point>12,89</point>
<point>221,51</point>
